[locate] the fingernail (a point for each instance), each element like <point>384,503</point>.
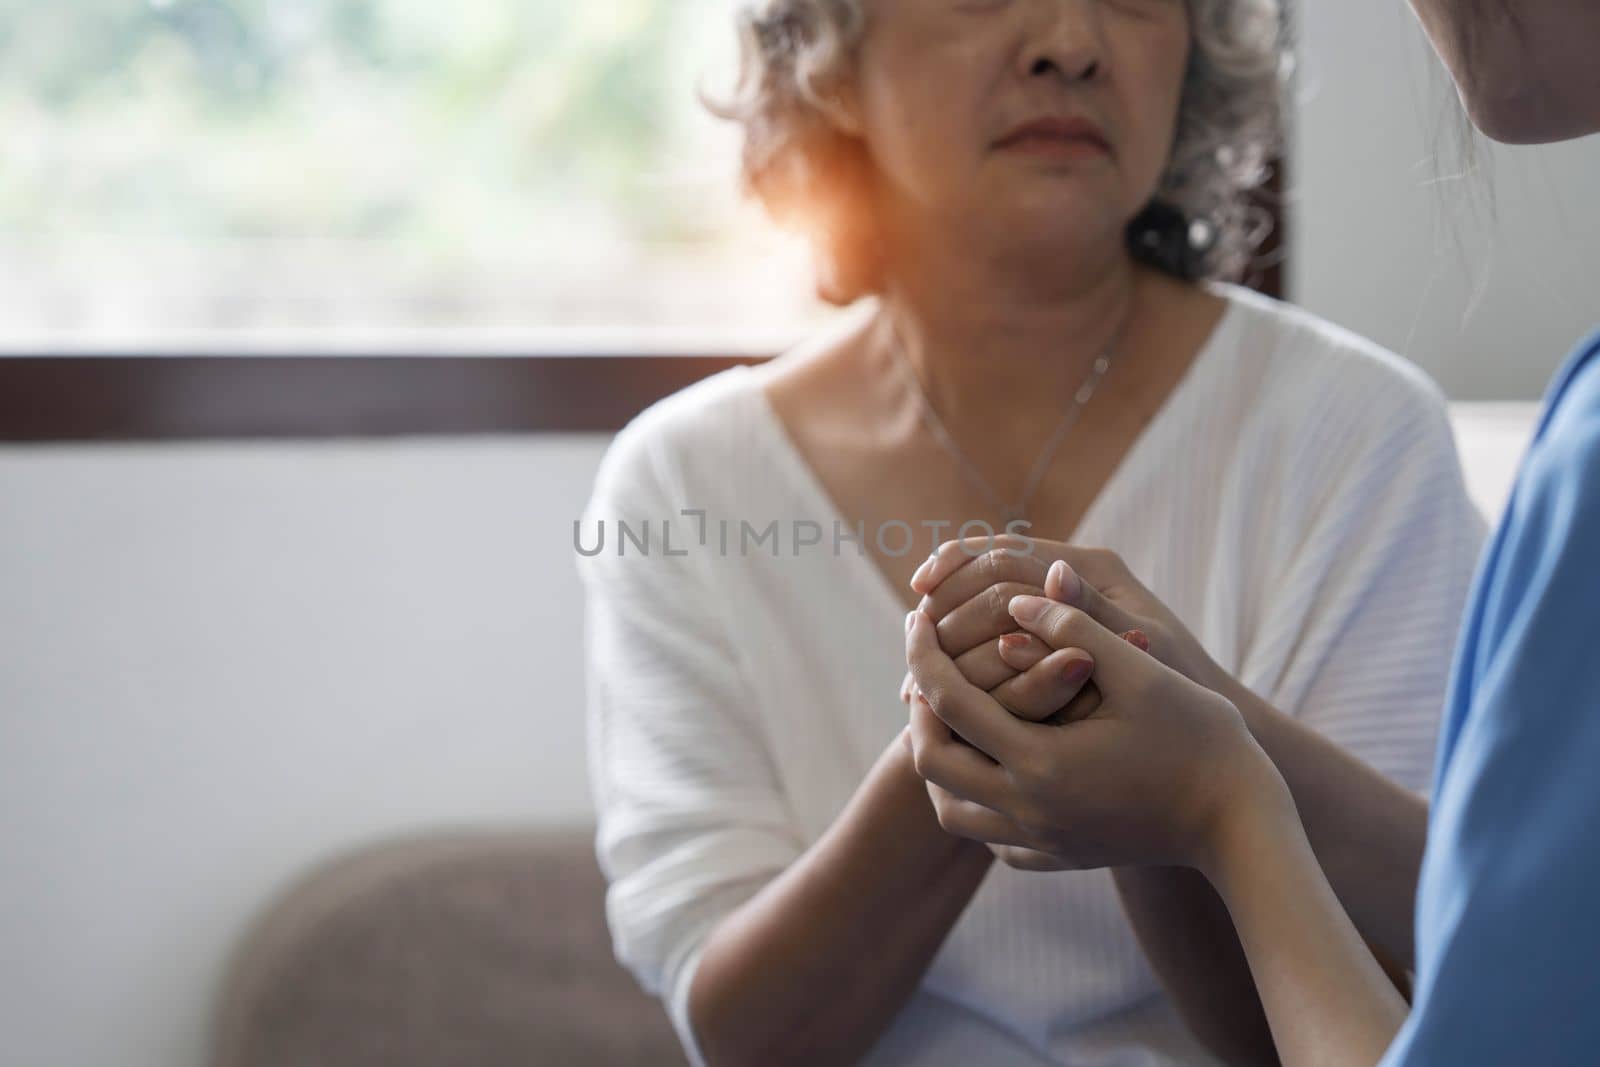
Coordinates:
<point>1027,608</point>
<point>927,565</point>
<point>1076,672</point>
<point>1015,642</point>
<point>1066,581</point>
<point>911,620</point>
<point>1138,639</point>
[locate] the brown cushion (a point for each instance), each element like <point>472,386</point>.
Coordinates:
<point>481,948</point>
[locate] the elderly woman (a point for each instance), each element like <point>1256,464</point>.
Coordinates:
<point>1042,200</point>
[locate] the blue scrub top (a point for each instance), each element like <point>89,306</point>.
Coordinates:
<point>1508,908</point>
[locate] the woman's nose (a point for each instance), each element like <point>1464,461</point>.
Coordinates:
<point>1063,39</point>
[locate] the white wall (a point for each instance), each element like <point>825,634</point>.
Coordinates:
<point>220,663</point>
<point>1381,247</point>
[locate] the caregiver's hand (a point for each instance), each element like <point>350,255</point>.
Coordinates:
<point>1159,772</point>
<point>1095,580</point>
<point>1052,688</point>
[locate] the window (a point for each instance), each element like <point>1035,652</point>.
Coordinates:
<point>222,174</point>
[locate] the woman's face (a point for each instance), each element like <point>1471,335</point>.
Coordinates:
<point>1527,70</point>
<point>946,90</point>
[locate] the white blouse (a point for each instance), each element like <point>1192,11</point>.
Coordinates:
<point>1297,501</point>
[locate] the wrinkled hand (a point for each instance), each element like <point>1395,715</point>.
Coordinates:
<point>1151,775</point>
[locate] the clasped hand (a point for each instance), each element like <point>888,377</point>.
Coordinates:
<point>1060,722</point>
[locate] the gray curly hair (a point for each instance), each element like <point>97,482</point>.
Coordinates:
<point>1204,221</point>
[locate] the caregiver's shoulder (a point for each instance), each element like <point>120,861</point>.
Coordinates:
<point>1296,355</point>
<point>1564,462</point>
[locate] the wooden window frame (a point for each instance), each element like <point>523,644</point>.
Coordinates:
<point>152,396</point>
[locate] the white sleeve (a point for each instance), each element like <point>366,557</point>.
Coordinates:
<point>1375,557</point>
<point>691,821</point>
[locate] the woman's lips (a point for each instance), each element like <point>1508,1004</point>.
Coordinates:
<point>1056,146</point>
<point>1057,138</point>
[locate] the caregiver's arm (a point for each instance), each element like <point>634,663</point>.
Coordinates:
<point>1327,1000</point>
<point>1182,924</point>
<point>1367,831</point>
<point>1186,933</point>
<point>1367,834</point>
<point>813,968</point>
<point>1163,772</point>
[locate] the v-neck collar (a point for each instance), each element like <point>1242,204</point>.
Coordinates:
<point>1166,421</point>
<point>811,485</point>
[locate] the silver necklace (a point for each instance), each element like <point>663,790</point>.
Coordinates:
<point>1018,509</point>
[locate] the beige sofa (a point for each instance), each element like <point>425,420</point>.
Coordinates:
<point>471,948</point>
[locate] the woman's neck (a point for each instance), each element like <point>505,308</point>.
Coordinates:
<point>1002,346</point>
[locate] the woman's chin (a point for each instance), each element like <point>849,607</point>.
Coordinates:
<point>1061,225</point>
<point>1086,190</point>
